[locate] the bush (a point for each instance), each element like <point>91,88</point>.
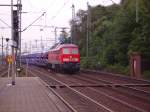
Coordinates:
<point>117,68</point>
<point>94,63</point>
<point>90,63</point>
<point>146,74</point>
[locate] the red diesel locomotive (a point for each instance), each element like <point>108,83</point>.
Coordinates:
<point>61,57</point>
<point>64,57</point>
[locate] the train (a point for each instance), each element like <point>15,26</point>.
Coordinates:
<point>60,57</point>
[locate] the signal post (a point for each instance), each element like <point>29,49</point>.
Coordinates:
<point>15,31</point>
<point>15,34</point>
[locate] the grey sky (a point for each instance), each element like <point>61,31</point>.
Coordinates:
<point>58,13</point>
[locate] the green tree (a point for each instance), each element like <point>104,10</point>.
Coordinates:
<point>115,33</point>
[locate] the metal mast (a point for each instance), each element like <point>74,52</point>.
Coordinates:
<point>88,27</point>
<point>2,50</point>
<point>137,10</point>
<point>87,32</point>
<point>73,20</point>
<point>19,9</point>
<point>12,37</point>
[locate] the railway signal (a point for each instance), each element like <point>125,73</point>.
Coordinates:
<point>15,26</point>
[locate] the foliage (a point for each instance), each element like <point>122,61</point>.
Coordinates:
<point>115,33</point>
<point>146,74</point>
<point>91,63</point>
<point>117,68</point>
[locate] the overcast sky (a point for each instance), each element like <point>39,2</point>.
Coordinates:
<point>58,13</point>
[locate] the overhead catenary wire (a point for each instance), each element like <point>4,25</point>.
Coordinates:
<point>33,22</point>
<point>59,11</point>
<point>5,23</point>
<point>113,2</point>
<point>5,14</point>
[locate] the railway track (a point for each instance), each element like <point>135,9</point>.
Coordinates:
<point>116,76</point>
<point>83,104</point>
<point>3,71</point>
<point>78,90</point>
<point>128,87</point>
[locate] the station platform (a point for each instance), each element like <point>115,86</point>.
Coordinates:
<point>28,95</point>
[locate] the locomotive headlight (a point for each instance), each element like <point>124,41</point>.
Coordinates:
<point>65,59</point>
<point>75,59</point>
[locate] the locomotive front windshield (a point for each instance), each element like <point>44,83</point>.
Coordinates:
<point>70,51</point>
<point>66,51</point>
<point>74,51</point>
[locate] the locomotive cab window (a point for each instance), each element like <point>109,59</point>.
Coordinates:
<point>65,51</point>
<point>74,51</point>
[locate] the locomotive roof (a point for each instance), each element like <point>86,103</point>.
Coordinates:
<point>58,45</point>
<point>68,45</point>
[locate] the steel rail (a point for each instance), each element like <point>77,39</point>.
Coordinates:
<point>46,91</point>
<point>61,98</point>
<point>90,85</point>
<point>123,86</point>
<point>113,98</point>
<point>119,85</point>
<point>3,73</point>
<point>112,74</point>
<point>110,84</point>
<point>79,93</point>
<point>118,100</point>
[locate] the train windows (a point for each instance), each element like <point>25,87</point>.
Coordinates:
<point>65,51</point>
<point>74,51</point>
